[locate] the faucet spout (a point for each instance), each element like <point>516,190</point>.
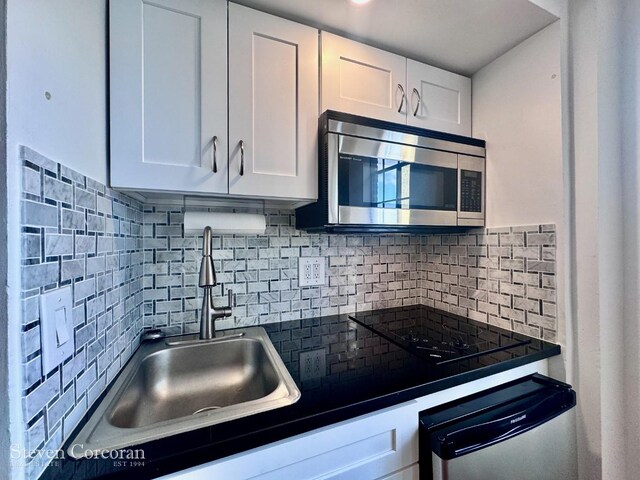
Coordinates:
<point>207,270</point>
<point>209,313</point>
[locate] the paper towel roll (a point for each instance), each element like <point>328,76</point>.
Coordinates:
<point>225,223</point>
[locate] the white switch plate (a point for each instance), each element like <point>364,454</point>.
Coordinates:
<point>56,328</point>
<point>311,271</point>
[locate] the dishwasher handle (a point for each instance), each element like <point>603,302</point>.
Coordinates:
<point>501,424</point>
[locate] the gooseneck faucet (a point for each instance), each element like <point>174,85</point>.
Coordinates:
<point>209,313</point>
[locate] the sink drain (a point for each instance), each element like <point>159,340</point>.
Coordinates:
<point>204,410</point>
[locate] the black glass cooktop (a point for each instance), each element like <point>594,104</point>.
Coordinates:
<point>436,335</point>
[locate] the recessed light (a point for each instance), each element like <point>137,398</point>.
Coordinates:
<point>360,2</point>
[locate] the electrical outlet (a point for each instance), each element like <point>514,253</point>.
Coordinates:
<point>311,271</point>
<point>313,364</point>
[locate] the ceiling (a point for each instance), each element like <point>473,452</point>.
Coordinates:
<point>458,35</point>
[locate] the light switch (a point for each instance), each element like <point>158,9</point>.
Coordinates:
<point>62,332</point>
<point>56,328</point>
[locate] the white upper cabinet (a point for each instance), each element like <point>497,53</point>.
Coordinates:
<point>210,97</point>
<point>168,66</point>
<point>273,106</point>
<point>438,100</point>
<point>362,80</point>
<point>366,81</point>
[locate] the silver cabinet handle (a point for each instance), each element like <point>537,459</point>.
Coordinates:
<point>402,99</point>
<point>241,158</point>
<point>215,152</point>
<point>415,110</point>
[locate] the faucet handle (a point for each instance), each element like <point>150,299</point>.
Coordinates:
<point>229,298</point>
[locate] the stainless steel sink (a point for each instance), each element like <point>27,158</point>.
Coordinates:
<point>177,385</point>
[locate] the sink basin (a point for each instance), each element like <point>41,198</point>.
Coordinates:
<point>175,385</point>
<point>182,381</point>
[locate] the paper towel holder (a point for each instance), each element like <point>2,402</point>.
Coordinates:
<point>224,223</point>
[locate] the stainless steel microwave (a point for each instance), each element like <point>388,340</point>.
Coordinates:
<point>381,176</point>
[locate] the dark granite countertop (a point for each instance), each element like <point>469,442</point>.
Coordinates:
<point>365,372</point>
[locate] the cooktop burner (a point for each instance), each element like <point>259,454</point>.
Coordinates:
<point>439,336</point>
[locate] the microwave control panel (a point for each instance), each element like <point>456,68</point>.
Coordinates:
<point>471,191</point>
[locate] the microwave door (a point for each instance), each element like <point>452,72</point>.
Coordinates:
<point>382,183</point>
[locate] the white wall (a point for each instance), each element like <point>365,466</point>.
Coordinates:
<point>59,47</point>
<point>631,194</point>
<point>50,50</point>
<point>605,121</point>
<point>5,414</point>
<point>517,110</point>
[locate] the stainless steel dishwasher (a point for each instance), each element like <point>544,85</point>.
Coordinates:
<point>522,430</point>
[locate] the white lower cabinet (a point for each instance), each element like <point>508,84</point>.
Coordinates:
<point>382,445</point>
<point>409,473</point>
<point>367,447</point>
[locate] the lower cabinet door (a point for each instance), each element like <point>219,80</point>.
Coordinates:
<point>381,445</point>
<point>409,473</point>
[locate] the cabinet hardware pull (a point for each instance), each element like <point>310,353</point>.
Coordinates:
<point>241,158</point>
<point>402,99</point>
<point>215,151</point>
<point>415,110</point>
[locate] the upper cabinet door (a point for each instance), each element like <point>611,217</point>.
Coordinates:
<point>438,100</point>
<point>273,106</point>
<point>363,80</point>
<point>169,95</point>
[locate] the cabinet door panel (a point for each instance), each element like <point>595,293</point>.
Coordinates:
<point>409,473</point>
<point>438,100</point>
<point>370,446</point>
<point>274,143</point>
<point>273,73</point>
<point>168,95</point>
<point>362,80</point>
<point>171,40</point>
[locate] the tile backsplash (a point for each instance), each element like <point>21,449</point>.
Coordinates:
<point>503,276</point>
<point>76,232</point>
<point>361,271</point>
<point>131,266</point>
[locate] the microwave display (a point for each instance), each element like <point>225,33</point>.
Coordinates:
<point>391,184</point>
<point>470,191</point>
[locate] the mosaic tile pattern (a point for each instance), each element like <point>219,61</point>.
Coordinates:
<point>76,232</point>
<point>131,266</point>
<point>503,276</point>
<point>361,271</point>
